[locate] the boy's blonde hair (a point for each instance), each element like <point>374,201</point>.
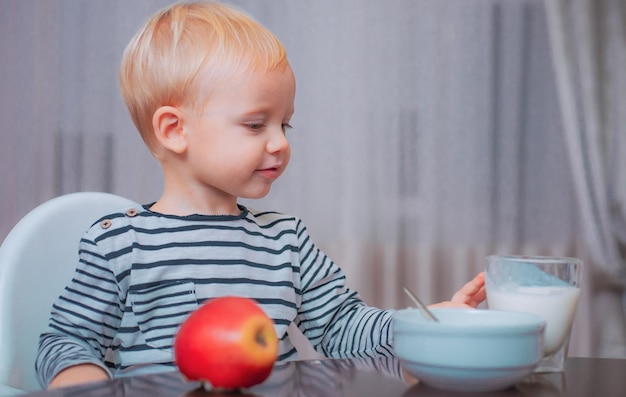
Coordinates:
<point>162,63</point>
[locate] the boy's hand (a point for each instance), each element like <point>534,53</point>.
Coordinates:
<point>471,294</point>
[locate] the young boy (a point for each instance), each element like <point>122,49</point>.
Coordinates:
<point>211,93</point>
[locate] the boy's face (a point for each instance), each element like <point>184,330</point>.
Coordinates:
<point>237,144</point>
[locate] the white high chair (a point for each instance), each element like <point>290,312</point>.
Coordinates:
<point>37,260</point>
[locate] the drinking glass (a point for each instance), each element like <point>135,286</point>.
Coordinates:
<point>547,286</point>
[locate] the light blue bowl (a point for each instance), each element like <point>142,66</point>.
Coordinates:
<point>468,350</point>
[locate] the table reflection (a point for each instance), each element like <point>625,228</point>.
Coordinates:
<point>584,377</point>
<point>316,378</point>
<point>538,385</point>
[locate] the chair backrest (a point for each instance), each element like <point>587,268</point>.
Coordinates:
<point>37,259</point>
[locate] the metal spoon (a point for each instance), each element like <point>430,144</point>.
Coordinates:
<point>427,313</point>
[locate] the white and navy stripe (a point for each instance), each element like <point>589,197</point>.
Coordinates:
<point>140,276</point>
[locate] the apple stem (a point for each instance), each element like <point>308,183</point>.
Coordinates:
<point>260,338</point>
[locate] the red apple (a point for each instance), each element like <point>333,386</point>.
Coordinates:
<point>229,342</point>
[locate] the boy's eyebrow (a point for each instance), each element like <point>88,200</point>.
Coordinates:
<point>256,112</point>
<point>263,111</point>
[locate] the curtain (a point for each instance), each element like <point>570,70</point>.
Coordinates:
<point>589,56</point>
<point>428,133</point>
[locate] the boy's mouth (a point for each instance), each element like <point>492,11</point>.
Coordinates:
<point>271,172</point>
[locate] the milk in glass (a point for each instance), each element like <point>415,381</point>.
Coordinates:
<point>555,304</point>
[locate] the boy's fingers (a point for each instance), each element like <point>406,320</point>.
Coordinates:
<point>473,293</point>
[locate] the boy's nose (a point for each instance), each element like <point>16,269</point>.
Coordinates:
<point>278,141</point>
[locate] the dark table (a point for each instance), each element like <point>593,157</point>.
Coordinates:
<point>584,377</point>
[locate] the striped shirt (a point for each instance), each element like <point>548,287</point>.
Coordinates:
<point>140,274</point>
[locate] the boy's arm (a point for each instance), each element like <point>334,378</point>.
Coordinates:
<point>334,318</point>
<point>77,374</point>
<point>84,320</point>
<point>337,322</point>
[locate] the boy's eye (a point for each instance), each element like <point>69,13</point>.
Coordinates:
<point>258,126</point>
<point>255,126</point>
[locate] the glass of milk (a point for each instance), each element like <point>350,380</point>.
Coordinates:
<point>547,286</point>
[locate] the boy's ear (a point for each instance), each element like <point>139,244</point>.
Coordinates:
<point>167,123</point>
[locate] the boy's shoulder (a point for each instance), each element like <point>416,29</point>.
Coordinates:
<point>114,221</point>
